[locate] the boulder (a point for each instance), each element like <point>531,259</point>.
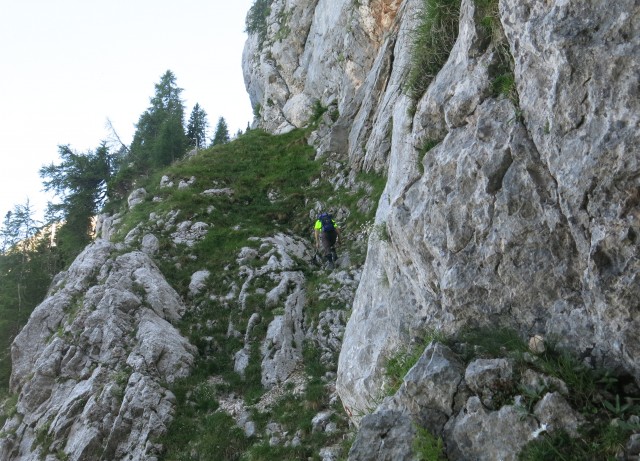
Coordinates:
<point>136,197</point>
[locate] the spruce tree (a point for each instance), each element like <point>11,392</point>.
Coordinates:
<point>160,138</point>
<point>27,266</point>
<point>221,135</point>
<point>197,127</point>
<point>18,228</point>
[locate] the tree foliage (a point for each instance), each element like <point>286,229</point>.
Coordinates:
<point>197,127</point>
<point>27,265</point>
<point>160,138</point>
<point>18,228</point>
<point>80,181</point>
<point>256,20</point>
<point>221,135</point>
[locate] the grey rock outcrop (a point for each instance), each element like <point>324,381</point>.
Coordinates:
<point>188,233</point>
<point>315,51</point>
<point>150,244</point>
<point>386,434</point>
<point>441,396</point>
<point>137,197</point>
<point>477,433</point>
<point>517,211</point>
<point>198,282</point>
<point>486,376</point>
<point>91,362</point>
<point>430,388</point>
<point>514,221</point>
<point>281,349</point>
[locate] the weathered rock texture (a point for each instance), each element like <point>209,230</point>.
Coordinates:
<point>522,217</point>
<point>440,395</point>
<point>524,214</point>
<point>92,364</point>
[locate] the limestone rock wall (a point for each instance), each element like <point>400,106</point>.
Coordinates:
<point>524,214</point>
<point>91,365</point>
<point>316,51</point>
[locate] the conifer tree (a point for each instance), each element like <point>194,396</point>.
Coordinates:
<point>18,228</point>
<point>80,180</point>
<point>221,135</point>
<point>160,138</point>
<point>197,127</point>
<point>25,260</point>
<point>27,266</point>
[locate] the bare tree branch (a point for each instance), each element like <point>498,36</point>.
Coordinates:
<point>114,138</point>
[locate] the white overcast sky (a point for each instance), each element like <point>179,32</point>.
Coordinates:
<point>68,65</point>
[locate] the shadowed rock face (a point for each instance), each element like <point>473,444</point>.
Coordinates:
<point>91,363</point>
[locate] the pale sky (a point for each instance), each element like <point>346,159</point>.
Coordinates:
<point>69,65</point>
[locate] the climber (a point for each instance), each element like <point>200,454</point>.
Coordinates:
<point>326,232</point>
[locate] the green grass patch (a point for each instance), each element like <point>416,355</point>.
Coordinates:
<point>504,84</point>
<point>432,41</point>
<point>399,364</point>
<point>427,146</point>
<point>600,441</point>
<point>294,414</point>
<point>490,343</point>
<point>502,73</point>
<point>427,447</point>
<point>218,437</point>
<point>317,111</point>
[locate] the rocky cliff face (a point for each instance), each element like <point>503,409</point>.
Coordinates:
<point>516,209</point>
<point>519,211</point>
<point>93,363</point>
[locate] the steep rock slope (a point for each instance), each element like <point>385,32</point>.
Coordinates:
<point>93,362</point>
<point>517,210</point>
<point>200,321</point>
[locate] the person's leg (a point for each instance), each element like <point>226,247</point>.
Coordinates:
<point>325,242</point>
<point>331,238</point>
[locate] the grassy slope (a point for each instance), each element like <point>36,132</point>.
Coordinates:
<point>253,166</point>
